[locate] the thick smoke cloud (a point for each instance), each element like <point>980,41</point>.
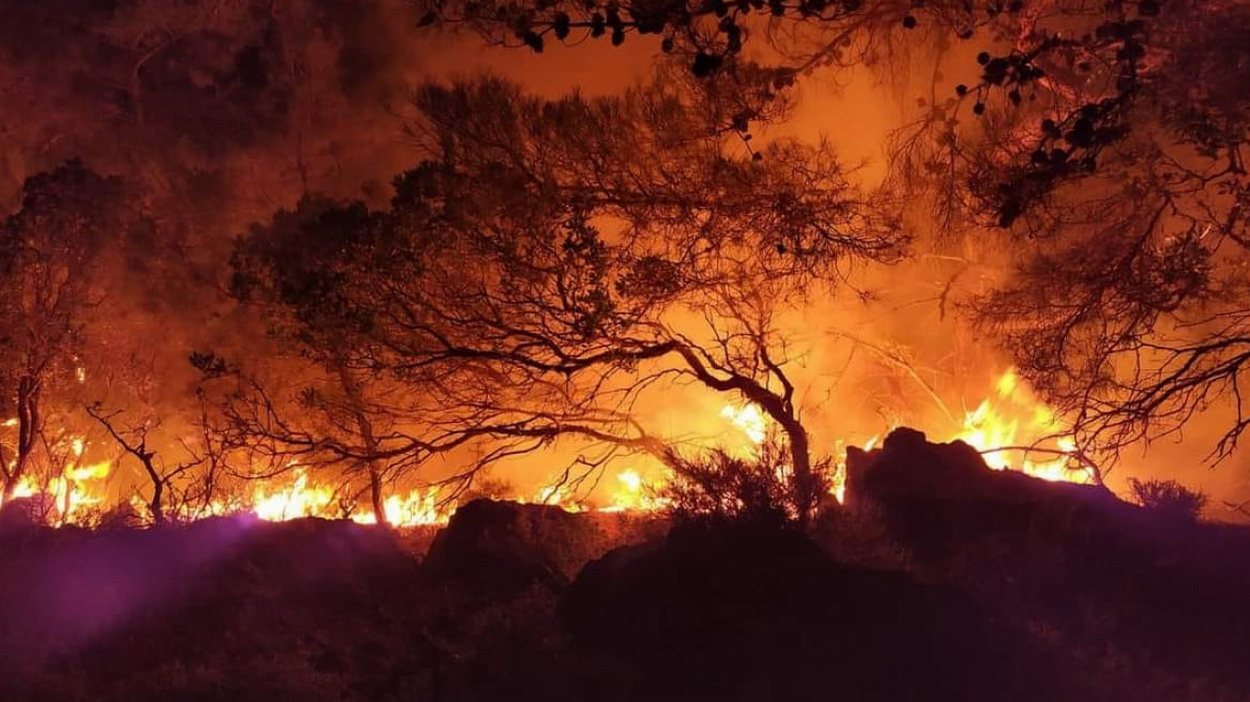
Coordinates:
<point>213,115</point>
<point>216,114</point>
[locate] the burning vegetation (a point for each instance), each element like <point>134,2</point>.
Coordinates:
<point>625,339</point>
<point>746,449</point>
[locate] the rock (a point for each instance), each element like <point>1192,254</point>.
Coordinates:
<point>739,613</point>
<point>940,499</point>
<point>931,492</point>
<point>504,548</point>
<point>25,513</point>
<point>907,464</point>
<point>1074,557</point>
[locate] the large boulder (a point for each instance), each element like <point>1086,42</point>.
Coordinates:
<point>498,570</point>
<point>503,548</point>
<point>1071,560</point>
<point>908,465</point>
<point>738,613</point>
<point>940,496</point>
<point>25,513</point>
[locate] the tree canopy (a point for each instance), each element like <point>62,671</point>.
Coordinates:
<point>554,259</point>
<point>50,252</point>
<point>1105,139</point>
<point>543,264</point>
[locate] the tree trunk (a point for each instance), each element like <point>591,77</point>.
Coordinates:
<point>375,493</point>
<point>10,487</point>
<point>365,429</point>
<point>804,487</point>
<point>157,504</point>
<point>27,431</point>
<point>804,483</point>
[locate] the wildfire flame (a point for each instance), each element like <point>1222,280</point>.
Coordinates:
<point>1020,422</point>
<point>1012,428</point>
<point>1012,423</point>
<point>749,419</point>
<point>71,497</point>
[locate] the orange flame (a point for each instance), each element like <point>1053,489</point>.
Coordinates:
<point>1012,428</point>
<point>1021,423</point>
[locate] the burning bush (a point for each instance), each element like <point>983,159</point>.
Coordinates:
<point>1168,497</point>
<point>761,489</point>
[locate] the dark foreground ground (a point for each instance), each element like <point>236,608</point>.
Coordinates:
<point>945,582</point>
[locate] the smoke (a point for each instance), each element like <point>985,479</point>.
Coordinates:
<point>57,600</point>
<point>218,114</point>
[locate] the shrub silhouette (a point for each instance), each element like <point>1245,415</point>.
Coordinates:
<point>1168,497</point>
<point>762,489</point>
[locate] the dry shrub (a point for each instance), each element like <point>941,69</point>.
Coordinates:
<point>762,489</point>
<point>1169,498</point>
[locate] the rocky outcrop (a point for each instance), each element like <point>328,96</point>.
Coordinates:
<point>941,496</point>
<point>738,613</point>
<point>1089,565</point>
<point>24,513</point>
<point>908,465</point>
<point>503,548</point>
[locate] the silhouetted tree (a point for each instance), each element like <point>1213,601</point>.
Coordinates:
<point>214,113</point>
<point>182,490</point>
<point>50,253</point>
<point>554,260</point>
<point>709,36</point>
<point>1130,202</point>
<point>293,269</point>
<point>1109,141</point>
